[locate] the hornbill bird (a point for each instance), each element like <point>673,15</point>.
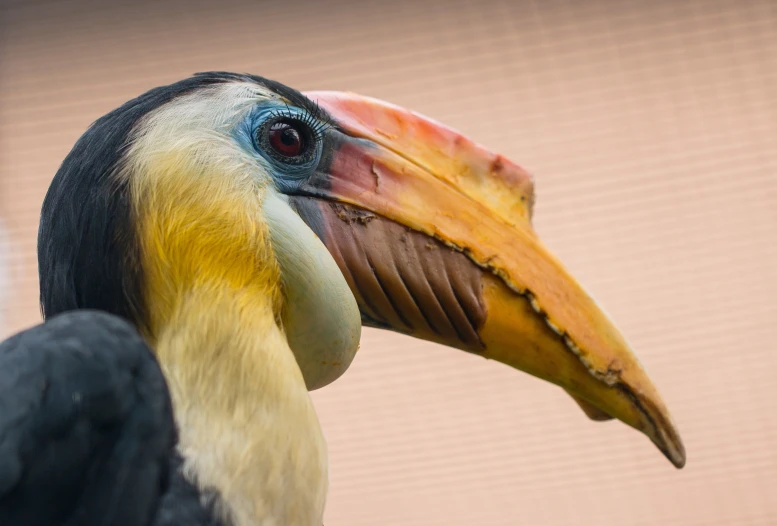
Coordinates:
<point>246,232</point>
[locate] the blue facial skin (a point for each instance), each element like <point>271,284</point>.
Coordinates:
<point>287,176</point>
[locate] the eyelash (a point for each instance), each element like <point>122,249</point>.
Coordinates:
<point>314,119</point>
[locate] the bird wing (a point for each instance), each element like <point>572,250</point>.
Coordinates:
<point>86,426</point>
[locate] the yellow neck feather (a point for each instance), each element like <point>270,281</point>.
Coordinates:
<point>247,424</point>
<point>248,427</point>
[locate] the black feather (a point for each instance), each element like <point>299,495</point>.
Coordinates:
<point>184,504</point>
<point>87,434</point>
<point>86,426</point>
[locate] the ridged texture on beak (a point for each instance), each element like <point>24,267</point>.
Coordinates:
<point>508,297</point>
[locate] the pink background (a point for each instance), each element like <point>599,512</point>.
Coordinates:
<point>651,128</point>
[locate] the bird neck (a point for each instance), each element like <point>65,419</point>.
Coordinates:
<point>248,428</point>
<point>212,292</point>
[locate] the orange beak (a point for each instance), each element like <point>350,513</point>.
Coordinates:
<point>433,234</point>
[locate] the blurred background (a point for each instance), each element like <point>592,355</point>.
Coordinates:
<point>651,128</point>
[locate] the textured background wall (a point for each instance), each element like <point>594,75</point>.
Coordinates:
<point>651,128</point>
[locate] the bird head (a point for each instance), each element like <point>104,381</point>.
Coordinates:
<point>338,211</point>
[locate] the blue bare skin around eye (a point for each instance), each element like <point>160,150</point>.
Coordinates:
<point>287,177</point>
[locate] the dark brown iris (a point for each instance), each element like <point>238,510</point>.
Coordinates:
<point>287,138</point>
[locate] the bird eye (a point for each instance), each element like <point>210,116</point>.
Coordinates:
<point>289,140</point>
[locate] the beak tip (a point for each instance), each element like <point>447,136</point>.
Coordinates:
<point>676,453</point>
<point>671,445</point>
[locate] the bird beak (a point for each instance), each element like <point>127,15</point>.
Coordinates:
<point>433,235</point>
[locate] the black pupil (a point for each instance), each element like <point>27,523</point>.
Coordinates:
<point>288,138</point>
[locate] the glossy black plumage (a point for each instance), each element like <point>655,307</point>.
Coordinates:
<point>86,429</point>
